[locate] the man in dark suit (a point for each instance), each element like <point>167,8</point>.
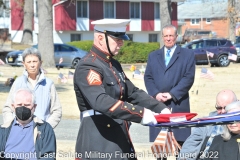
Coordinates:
<point>168,77</point>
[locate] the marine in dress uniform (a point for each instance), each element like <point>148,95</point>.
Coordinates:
<point>107,99</point>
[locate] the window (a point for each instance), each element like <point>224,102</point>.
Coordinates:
<point>195,21</point>
<point>109,10</point>
<point>196,45</point>
<point>152,37</point>
<point>5,9</point>
<point>208,20</point>
<point>156,11</point>
<point>64,48</point>
<point>222,42</point>
<point>75,37</point>
<point>36,12</point>
<point>204,32</point>
<point>82,9</point>
<point>192,46</point>
<point>130,37</point>
<point>211,43</point>
<point>135,10</point>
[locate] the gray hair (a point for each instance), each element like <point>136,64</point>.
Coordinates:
<point>169,26</point>
<point>31,51</point>
<point>27,90</point>
<point>226,133</point>
<point>233,105</point>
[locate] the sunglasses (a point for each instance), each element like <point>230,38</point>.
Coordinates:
<point>220,108</point>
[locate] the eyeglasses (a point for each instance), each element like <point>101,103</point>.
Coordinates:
<point>219,107</point>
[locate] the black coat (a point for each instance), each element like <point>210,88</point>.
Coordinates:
<point>177,79</point>
<point>100,84</point>
<point>224,150</point>
<point>44,139</point>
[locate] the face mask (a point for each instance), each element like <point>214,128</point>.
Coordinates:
<point>23,113</point>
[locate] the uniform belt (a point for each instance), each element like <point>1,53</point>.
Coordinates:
<point>90,112</point>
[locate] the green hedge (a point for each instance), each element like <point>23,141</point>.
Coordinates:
<point>84,45</point>
<point>131,52</point>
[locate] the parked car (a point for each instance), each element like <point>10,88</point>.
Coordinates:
<point>237,45</point>
<point>70,56</point>
<point>192,34</point>
<point>237,39</point>
<point>218,46</point>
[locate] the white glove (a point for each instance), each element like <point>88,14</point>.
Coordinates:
<point>148,117</point>
<point>165,111</point>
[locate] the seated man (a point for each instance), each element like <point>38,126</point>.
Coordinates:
<point>226,145</point>
<point>26,136</point>
<point>193,145</point>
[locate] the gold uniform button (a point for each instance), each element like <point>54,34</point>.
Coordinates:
<point>140,111</point>
<point>108,125</point>
<point>107,57</point>
<point>122,88</point>
<point>125,106</point>
<point>133,108</point>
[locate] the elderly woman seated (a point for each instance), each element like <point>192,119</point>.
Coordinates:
<point>227,145</point>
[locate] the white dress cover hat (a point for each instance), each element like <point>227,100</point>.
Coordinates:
<point>113,27</point>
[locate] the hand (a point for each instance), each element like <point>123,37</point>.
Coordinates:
<point>166,111</point>
<point>161,98</point>
<point>167,96</point>
<point>148,117</point>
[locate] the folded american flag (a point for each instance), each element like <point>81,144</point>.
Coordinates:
<point>174,117</point>
<point>226,118</point>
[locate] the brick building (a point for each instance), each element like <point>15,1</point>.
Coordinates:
<point>208,16</point>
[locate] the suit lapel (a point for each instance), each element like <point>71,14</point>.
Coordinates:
<point>161,58</point>
<point>174,56</point>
